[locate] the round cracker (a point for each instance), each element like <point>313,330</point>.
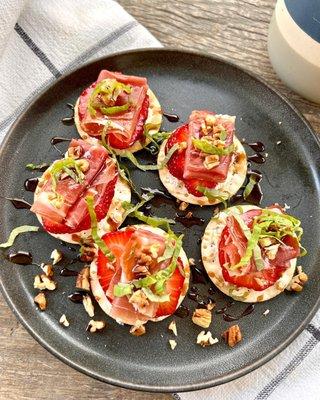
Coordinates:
<point>235,178</point>
<point>152,123</point>
<point>210,259</point>
<point>101,297</point>
<point>122,192</point>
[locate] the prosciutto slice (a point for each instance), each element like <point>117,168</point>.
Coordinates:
<point>123,124</point>
<point>71,214</point>
<point>232,247</point>
<point>194,167</point>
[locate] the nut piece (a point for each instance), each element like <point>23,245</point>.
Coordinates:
<point>87,252</point>
<point>210,119</point>
<point>44,282</point>
<point>63,320</point>
<point>75,152</point>
<point>210,305</point>
<point>47,269</point>
<point>232,336</point>
<point>82,281</point>
<point>211,161</point>
<point>298,281</point>
<point>205,339</point>
<point>56,256</point>
<point>88,306</point>
<point>173,344</point>
<point>83,164</point>
<point>137,330</point>
<point>41,301</point>
<point>271,251</point>
<point>183,206</point>
<point>202,317</point>
<point>95,326</point>
<point>139,300</point>
<point>173,327</point>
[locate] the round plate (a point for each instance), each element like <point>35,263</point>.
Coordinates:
<point>182,82</point>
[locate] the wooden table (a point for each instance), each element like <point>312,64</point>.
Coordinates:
<point>233,29</point>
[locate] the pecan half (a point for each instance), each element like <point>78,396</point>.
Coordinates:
<point>232,336</point>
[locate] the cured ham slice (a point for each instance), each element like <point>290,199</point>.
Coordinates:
<point>136,251</point>
<point>125,126</point>
<point>61,205</point>
<point>194,167</point>
<point>232,247</point>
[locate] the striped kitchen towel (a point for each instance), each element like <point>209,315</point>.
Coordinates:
<point>42,39</point>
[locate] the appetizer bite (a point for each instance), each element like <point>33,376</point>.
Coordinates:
<point>250,253</point>
<point>60,197</point>
<point>142,274</point>
<point>120,110</point>
<point>207,163</point>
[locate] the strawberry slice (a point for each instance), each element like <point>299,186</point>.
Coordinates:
<point>116,242</point>
<point>177,162</point>
<point>173,288</point>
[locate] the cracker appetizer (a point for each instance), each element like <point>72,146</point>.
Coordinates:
<point>60,200</point>
<point>250,253</point>
<point>143,274</point>
<point>120,110</point>
<point>208,164</point>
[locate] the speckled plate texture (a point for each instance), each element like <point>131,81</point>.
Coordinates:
<point>182,82</point>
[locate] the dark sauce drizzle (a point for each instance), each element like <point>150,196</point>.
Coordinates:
<point>257,158</point>
<point>69,120</point>
<point>188,222</point>
<point>171,117</point>
<point>58,139</point>
<point>20,203</point>
<point>68,272</point>
<point>182,312</point>
<point>31,184</point>
<point>230,318</point>
<point>76,297</point>
<point>20,257</point>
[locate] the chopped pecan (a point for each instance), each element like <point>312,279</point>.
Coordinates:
<point>232,336</point>
<point>202,317</point>
<point>183,206</point>
<point>88,305</point>
<point>41,301</point>
<point>75,152</point>
<point>173,327</point>
<point>139,300</point>
<point>205,339</point>
<point>138,330</point>
<point>298,281</point>
<point>56,256</point>
<point>63,320</point>
<point>47,269</point>
<point>173,344</point>
<point>211,161</point>
<point>95,326</point>
<point>44,282</point>
<point>87,252</point>
<point>82,281</point>
<point>83,164</point>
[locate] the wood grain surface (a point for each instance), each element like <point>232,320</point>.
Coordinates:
<point>235,30</point>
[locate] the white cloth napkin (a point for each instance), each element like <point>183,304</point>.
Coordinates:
<point>42,39</point>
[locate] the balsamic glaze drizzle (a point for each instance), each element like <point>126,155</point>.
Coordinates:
<point>19,203</point>
<point>20,257</point>
<point>69,120</point>
<point>171,117</point>
<point>31,184</point>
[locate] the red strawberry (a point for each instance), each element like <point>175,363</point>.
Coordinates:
<point>116,242</point>
<point>192,184</point>
<point>117,143</point>
<point>173,288</point>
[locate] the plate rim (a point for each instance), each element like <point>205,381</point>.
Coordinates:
<point>227,377</point>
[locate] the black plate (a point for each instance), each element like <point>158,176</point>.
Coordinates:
<point>183,82</point>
